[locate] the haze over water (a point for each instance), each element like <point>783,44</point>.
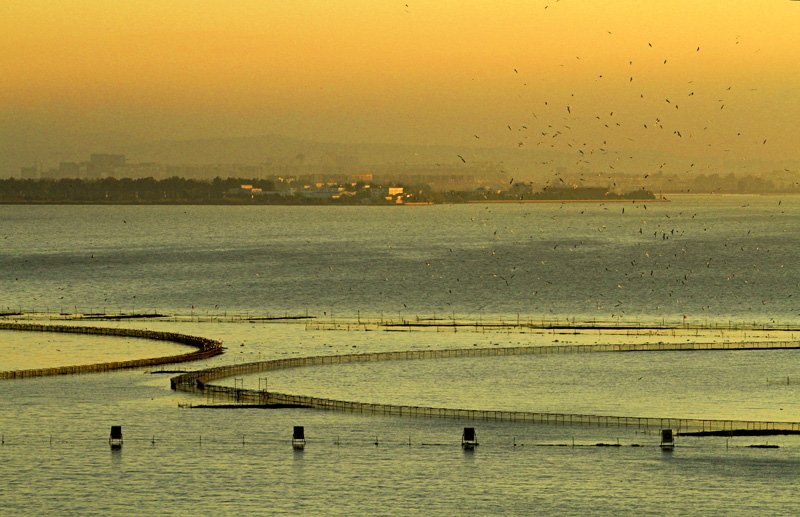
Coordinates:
<point>561,89</point>
<point>715,258</point>
<point>729,259</point>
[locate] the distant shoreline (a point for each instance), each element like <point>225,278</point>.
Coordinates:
<point>660,200</point>
<point>183,203</point>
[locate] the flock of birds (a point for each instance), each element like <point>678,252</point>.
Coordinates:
<point>644,260</point>
<point>667,251</point>
<point>583,132</point>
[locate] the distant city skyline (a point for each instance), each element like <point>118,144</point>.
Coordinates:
<point>330,169</point>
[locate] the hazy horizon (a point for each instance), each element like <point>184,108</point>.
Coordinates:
<point>598,83</point>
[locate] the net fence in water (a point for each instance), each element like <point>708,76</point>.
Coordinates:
<point>198,382</point>
<point>206,348</point>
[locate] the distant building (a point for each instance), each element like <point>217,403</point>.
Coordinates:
<point>242,191</point>
<point>64,170</point>
<point>69,170</point>
<point>29,173</point>
<point>101,165</point>
<point>322,192</point>
<point>253,192</point>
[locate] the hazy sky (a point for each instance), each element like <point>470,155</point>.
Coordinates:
<point>599,77</point>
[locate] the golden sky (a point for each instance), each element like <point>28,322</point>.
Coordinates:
<point>717,77</point>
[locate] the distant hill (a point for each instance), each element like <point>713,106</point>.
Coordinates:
<point>521,164</point>
<point>527,162</point>
<point>277,148</point>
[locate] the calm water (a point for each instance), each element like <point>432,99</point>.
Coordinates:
<point>709,258</point>
<point>715,257</point>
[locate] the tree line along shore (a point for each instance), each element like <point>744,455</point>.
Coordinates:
<point>239,191</point>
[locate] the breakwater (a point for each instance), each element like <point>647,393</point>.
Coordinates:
<point>205,348</point>
<point>199,382</point>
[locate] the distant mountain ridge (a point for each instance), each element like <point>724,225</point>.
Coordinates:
<point>284,149</point>
<point>521,163</point>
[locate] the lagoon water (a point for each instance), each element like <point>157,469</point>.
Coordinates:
<point>709,258</point>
